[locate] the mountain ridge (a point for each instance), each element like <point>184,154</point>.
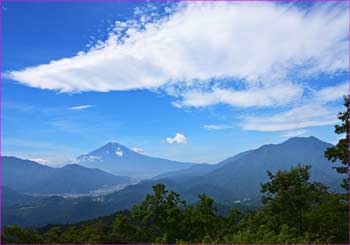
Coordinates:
<point>26,176</point>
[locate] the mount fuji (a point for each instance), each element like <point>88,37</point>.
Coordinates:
<point>120,160</point>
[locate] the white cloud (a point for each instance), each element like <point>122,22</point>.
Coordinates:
<point>178,138</point>
<point>294,133</point>
<point>80,107</point>
<point>312,112</point>
<point>331,93</point>
<point>308,115</point>
<point>255,46</point>
<point>276,95</point>
<point>217,127</point>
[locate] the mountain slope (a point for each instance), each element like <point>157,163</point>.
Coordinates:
<point>31,177</point>
<point>118,159</point>
<point>11,197</point>
<point>244,174</point>
<point>195,170</point>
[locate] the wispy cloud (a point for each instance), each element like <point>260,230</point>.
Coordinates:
<point>80,107</point>
<point>259,96</point>
<point>217,127</point>
<point>178,138</point>
<point>312,112</point>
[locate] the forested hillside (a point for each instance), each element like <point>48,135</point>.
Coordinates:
<point>295,211</point>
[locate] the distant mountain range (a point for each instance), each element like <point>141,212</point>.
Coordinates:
<point>238,178</point>
<point>33,178</point>
<point>118,159</point>
<point>233,181</point>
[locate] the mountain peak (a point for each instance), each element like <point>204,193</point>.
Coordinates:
<point>112,143</point>
<point>311,139</point>
<point>110,150</point>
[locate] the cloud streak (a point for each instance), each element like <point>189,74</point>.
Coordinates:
<point>211,127</point>
<point>266,96</point>
<point>80,107</point>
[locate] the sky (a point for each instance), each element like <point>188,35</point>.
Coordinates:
<point>195,82</point>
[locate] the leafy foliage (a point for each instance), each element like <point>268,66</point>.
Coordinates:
<point>341,150</point>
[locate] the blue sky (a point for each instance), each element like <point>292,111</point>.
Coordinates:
<point>167,80</point>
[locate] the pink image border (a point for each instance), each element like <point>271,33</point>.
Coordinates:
<point>119,1</point>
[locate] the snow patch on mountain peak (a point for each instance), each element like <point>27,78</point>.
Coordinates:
<point>119,152</point>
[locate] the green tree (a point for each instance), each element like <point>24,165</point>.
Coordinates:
<point>16,235</point>
<point>124,230</point>
<point>341,150</point>
<point>288,196</point>
<point>95,233</point>
<point>231,221</point>
<point>161,212</point>
<point>120,229</point>
<point>53,235</point>
<point>70,235</point>
<point>328,221</point>
<point>202,220</point>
